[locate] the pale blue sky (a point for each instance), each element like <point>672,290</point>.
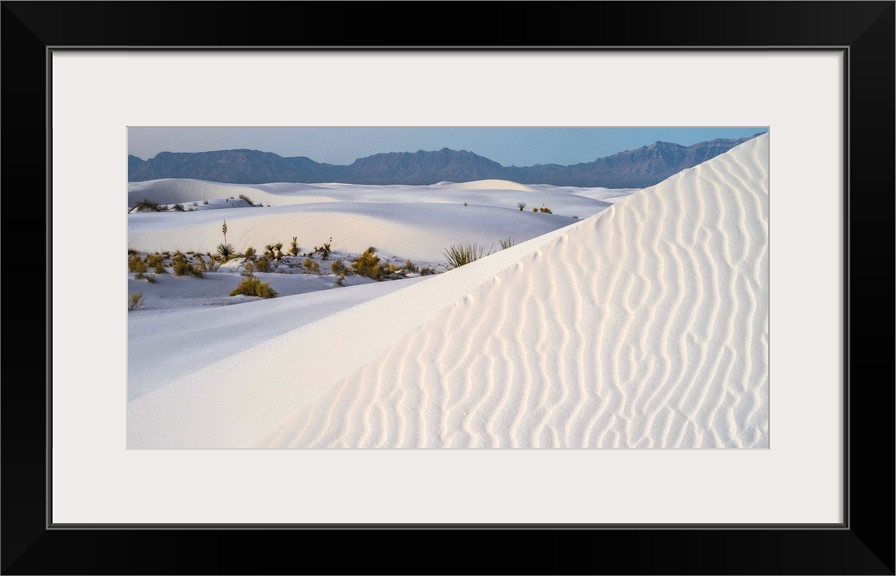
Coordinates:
<point>507,146</point>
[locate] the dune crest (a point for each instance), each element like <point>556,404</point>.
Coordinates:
<point>645,326</point>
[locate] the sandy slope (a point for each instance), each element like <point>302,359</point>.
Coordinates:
<point>646,326</point>
<point>238,398</point>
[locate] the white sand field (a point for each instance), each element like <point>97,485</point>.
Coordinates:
<point>641,324</point>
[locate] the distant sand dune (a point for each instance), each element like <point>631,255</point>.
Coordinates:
<point>643,327</point>
<point>490,184</point>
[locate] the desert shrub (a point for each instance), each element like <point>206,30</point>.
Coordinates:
<point>338,267</point>
<point>278,250</point>
<point>251,286</point>
<point>213,263</point>
<point>263,265</point>
<point>294,246</point>
<point>427,271</point>
<point>178,207</point>
<point>205,202</point>
<point>182,266</point>
<point>575,217</point>
<point>340,280</point>
<point>248,269</point>
<point>195,203</point>
<point>147,205</point>
<point>545,209</point>
<point>250,253</point>
<point>247,199</point>
<point>151,278</point>
<point>132,252</point>
<point>311,266</point>
<point>462,254</point>
<point>506,243</point>
<point>135,300</point>
<point>226,251</point>
<point>200,266</point>
<point>535,209</point>
<point>137,265</point>
<point>521,205</point>
<point>410,266</point>
<point>368,264</point>
<point>155,262</point>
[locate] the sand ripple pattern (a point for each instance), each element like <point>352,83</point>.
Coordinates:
<point>643,327</point>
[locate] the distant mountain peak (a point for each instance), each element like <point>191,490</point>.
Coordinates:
<point>644,166</point>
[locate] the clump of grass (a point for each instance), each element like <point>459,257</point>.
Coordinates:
<point>137,265</point>
<point>507,243</point>
<point>135,300</point>
<point>205,202</point>
<point>251,286</point>
<point>247,199</point>
<point>462,254</point>
<point>294,246</point>
<point>250,253</point>
<point>324,250</point>
<point>368,264</point>
<point>269,250</point>
<point>213,263</point>
<point>147,205</point>
<point>182,266</point>
<point>263,265</point>
<point>535,209</point>
<point>410,267</point>
<point>178,207</point>
<point>156,262</point>
<point>427,271</point>
<point>545,209</point>
<point>226,251</point>
<point>311,266</point>
<point>338,267</point>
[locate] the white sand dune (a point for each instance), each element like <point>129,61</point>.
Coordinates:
<point>168,345</point>
<point>489,184</point>
<point>643,327</point>
<point>355,216</point>
<point>240,397</point>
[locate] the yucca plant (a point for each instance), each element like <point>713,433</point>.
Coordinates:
<point>462,254</point>
<point>226,251</point>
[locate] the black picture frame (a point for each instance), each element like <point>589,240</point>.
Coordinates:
<point>863,544</point>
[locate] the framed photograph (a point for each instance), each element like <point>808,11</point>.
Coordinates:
<point>86,491</point>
